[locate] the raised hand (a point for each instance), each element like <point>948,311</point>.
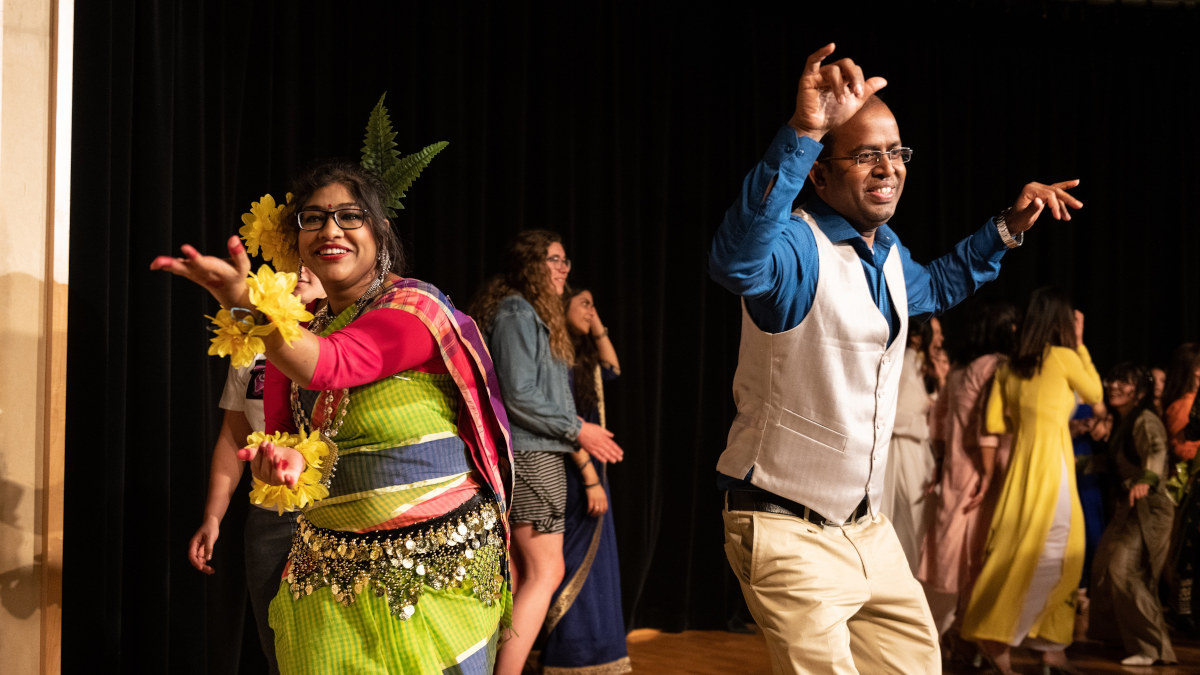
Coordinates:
<point>596,326</point>
<point>829,95</point>
<point>1034,197</point>
<point>224,278</point>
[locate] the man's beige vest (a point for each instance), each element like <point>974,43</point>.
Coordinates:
<point>816,403</point>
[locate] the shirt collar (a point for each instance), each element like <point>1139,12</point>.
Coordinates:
<point>838,229</point>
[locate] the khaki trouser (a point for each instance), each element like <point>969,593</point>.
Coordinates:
<point>832,599</point>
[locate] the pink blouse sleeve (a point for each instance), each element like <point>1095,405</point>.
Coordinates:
<point>277,408</point>
<point>379,343</point>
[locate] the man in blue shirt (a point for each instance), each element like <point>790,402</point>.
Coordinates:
<point>826,291</point>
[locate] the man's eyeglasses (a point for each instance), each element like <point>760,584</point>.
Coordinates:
<point>874,157</point>
<point>347,218</point>
<point>559,262</point>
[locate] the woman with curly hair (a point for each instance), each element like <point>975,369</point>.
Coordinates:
<point>400,564</point>
<point>1025,591</point>
<point>522,315</point>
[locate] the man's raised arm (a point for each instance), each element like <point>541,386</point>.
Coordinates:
<point>743,257</point>
<point>975,260</point>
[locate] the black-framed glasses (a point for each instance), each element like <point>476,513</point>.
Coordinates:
<point>559,262</point>
<point>874,157</point>
<point>349,218</point>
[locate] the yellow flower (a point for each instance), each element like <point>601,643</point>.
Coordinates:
<point>308,487</point>
<point>281,256</point>
<point>263,229</point>
<point>238,338</point>
<point>262,223</point>
<point>271,293</point>
<point>283,498</point>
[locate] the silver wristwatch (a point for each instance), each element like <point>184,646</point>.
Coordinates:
<point>1002,227</point>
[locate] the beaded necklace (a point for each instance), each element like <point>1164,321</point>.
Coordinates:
<point>332,403</point>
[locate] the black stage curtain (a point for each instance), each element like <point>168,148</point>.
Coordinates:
<point>627,128</point>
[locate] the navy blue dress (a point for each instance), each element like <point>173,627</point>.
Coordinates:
<point>585,621</point>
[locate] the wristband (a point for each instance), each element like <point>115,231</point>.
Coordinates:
<point>1009,240</point>
<point>308,488</point>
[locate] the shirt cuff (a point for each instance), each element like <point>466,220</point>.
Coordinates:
<point>794,155</point>
<point>1148,478</point>
<point>986,242</point>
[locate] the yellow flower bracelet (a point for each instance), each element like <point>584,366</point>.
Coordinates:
<point>308,488</point>
<point>239,336</point>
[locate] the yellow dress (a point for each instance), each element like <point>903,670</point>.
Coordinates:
<point>1036,411</point>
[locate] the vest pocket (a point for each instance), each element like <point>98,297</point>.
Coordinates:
<point>813,431</point>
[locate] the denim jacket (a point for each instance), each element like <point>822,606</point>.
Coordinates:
<point>535,386</point>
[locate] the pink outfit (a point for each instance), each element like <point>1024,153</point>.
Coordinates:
<point>953,553</point>
<point>376,344</point>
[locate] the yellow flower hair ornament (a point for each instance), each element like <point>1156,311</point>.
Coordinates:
<point>308,488</point>
<point>271,293</point>
<point>262,228</point>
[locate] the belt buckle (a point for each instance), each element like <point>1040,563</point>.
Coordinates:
<point>862,510</point>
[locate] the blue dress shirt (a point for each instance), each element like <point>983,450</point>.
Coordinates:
<point>769,257</point>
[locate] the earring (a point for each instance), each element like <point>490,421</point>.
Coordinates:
<point>384,260</point>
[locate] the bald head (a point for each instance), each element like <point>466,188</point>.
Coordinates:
<point>830,137</point>
<point>864,194</point>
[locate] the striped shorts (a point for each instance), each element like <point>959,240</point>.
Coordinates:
<point>539,490</point>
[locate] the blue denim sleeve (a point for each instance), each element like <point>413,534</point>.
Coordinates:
<point>514,348</point>
<point>758,252</point>
<point>953,277</point>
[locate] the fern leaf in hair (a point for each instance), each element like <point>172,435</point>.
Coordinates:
<point>401,175</point>
<point>379,155</point>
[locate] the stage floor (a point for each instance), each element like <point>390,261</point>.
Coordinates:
<point>712,652</point>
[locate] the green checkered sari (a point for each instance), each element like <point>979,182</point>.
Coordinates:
<point>401,460</point>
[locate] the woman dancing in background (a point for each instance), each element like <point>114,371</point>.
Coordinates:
<point>1134,546</point>
<point>1035,546</point>
<point>401,568</point>
<point>910,465</point>
<point>522,314</point>
<point>972,462</point>
<point>585,627</point>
